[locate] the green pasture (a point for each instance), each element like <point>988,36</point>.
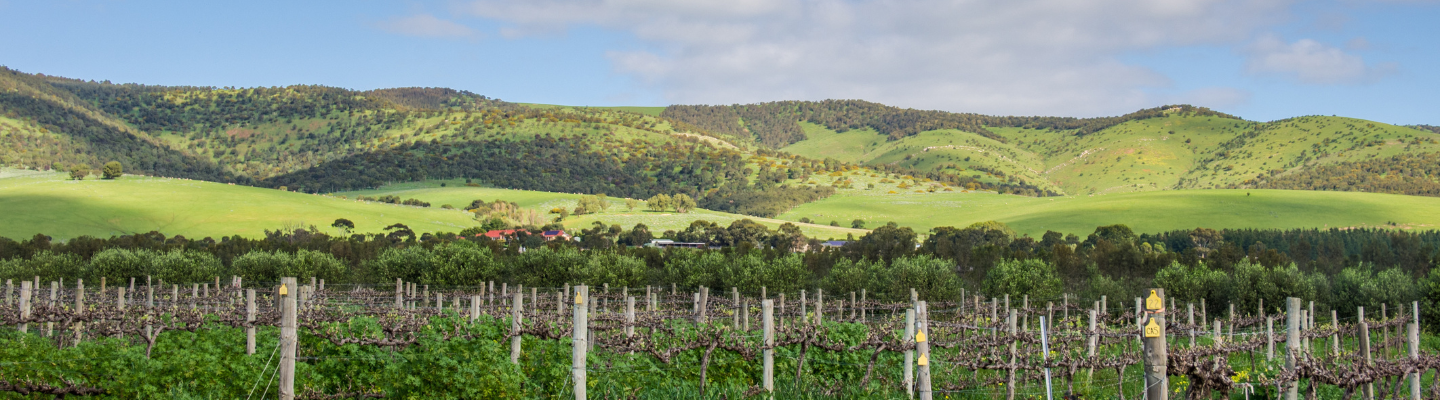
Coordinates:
<point>455,193</point>
<point>1143,212</point>
<point>51,204</point>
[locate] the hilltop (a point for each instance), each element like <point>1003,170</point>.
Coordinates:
<point>1164,148</point>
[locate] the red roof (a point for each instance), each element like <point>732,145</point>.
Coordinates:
<point>499,234</point>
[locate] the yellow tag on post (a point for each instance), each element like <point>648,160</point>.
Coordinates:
<point>924,359</point>
<point>283,290</point>
<point>920,337</point>
<point>1152,329</point>
<point>579,299</point>
<point>1154,302</point>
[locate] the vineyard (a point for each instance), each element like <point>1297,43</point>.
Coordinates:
<point>149,339</point>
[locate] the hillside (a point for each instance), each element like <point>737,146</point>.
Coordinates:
<point>322,139</point>
<point>1173,147</point>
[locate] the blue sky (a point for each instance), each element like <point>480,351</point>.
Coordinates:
<point>1259,59</point>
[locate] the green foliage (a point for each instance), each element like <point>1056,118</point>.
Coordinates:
<point>262,266</point>
<point>113,170</point>
<point>932,278</point>
<point>682,202</point>
<point>79,171</point>
<point>1035,278</point>
<point>658,202</point>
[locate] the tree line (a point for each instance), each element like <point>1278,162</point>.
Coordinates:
<point>1405,173</point>
<point>1341,269</point>
<point>776,124</point>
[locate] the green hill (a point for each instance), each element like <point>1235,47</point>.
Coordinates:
<point>1172,147</point>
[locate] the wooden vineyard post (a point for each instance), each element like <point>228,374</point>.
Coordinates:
<point>1157,383</point>
<point>1365,350</point>
<point>1010,319</point>
<point>250,321</point>
<point>1335,337</point>
<point>745,308</point>
<point>9,290</point>
<point>910,354</point>
<point>852,306</point>
<point>767,379</point>
<point>735,306</point>
<point>804,309</point>
<point>1090,346</point>
<point>580,326</point>
<point>819,306</point>
<point>862,303</point>
<point>288,338</point>
<point>704,304</point>
<point>25,295</point>
<point>922,346</point>
<point>517,309</point>
<point>474,308</point>
<point>649,300</point>
<point>1413,338</point>
<point>1190,321</point>
<point>1293,347</point>
<point>1269,338</point>
<point>399,293</point>
<point>629,317</point>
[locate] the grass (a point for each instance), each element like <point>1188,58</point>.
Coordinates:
<point>51,204</point>
<point>1144,212</point>
<point>455,193</point>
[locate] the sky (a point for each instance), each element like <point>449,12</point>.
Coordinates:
<point>1260,59</point>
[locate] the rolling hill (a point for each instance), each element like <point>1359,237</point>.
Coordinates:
<point>1173,147</point>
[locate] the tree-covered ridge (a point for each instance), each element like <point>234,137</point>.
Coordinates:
<point>1412,174</point>
<point>1422,127</point>
<point>88,141</point>
<point>775,124</point>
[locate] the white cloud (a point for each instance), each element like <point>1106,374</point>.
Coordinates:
<point>426,25</point>
<point>1056,57</point>
<point>1309,61</point>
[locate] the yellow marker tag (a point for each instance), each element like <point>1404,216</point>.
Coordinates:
<point>284,291</point>
<point>1153,302</point>
<point>1152,329</point>
<point>924,359</point>
<point>920,337</point>
<point>579,299</point>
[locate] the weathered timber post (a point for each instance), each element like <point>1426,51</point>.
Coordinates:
<point>819,306</point>
<point>1156,353</point>
<point>922,346</point>
<point>910,354</point>
<point>862,303</point>
<point>1190,322</point>
<point>1413,336</point>
<point>249,321</point>
<point>474,308</point>
<point>1010,322</point>
<point>399,293</point>
<point>1269,338</point>
<point>735,307</point>
<point>1365,350</point>
<point>1335,337</point>
<point>517,308</point>
<point>25,295</point>
<point>288,338</point>
<point>9,290</point>
<point>629,317</point>
<point>767,313</point>
<point>1293,347</point>
<point>579,339</point>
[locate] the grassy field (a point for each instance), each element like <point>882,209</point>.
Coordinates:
<point>457,194</point>
<point>49,203</point>
<point>1143,212</point>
